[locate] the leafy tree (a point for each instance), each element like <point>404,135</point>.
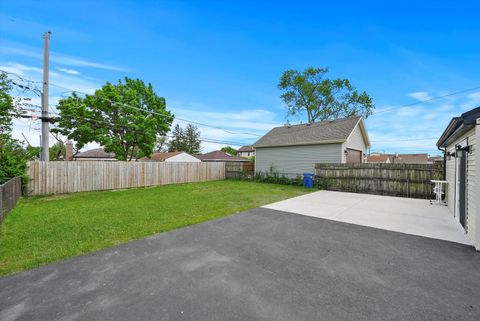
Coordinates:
<point>57,151</point>
<point>185,140</point>
<point>161,145</point>
<point>13,157</point>
<point>7,106</point>
<point>177,143</point>
<point>192,139</point>
<point>229,150</point>
<point>322,98</point>
<point>125,118</point>
<point>33,152</point>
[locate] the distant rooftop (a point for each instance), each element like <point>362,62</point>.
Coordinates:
<point>220,156</point>
<point>95,153</point>
<point>248,148</point>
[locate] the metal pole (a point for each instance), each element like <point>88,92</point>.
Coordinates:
<point>45,129</point>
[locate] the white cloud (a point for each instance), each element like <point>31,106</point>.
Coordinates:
<point>234,128</point>
<point>59,58</point>
<point>473,100</point>
<point>420,95</point>
<point>69,71</point>
<point>23,70</point>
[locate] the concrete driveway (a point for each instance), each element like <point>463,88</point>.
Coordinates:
<point>257,265</point>
<point>399,214</point>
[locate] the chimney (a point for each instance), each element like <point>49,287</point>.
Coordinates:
<point>69,151</point>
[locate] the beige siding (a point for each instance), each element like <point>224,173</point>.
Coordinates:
<point>355,141</point>
<point>471,175</point>
<point>293,160</point>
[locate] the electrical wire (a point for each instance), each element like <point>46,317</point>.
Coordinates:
<point>148,111</point>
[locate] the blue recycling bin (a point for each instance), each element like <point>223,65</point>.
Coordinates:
<point>308,180</point>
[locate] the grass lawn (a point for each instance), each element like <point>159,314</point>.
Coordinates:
<point>40,230</point>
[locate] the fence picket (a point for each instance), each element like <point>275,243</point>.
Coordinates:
<point>66,177</point>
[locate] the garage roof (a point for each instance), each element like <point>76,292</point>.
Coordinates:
<point>324,132</point>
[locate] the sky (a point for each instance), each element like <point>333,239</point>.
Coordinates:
<point>219,62</point>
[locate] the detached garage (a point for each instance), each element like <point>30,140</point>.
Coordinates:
<point>294,150</point>
<point>462,171</point>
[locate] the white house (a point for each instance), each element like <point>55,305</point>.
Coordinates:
<point>246,151</point>
<point>462,171</point>
<point>171,157</point>
<point>294,150</point>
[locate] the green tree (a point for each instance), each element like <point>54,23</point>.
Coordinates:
<point>177,143</point>
<point>162,144</point>
<point>57,151</point>
<point>320,97</point>
<point>7,106</point>
<point>125,118</point>
<point>13,157</point>
<point>192,139</point>
<point>229,150</point>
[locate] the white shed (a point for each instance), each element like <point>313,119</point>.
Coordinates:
<point>463,191</point>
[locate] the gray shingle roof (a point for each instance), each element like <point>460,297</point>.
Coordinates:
<point>321,132</point>
<point>95,153</point>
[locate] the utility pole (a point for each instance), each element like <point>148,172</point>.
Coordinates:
<point>45,130</point>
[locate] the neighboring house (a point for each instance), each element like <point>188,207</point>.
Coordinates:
<point>462,171</point>
<point>295,149</point>
<point>97,154</point>
<point>246,151</point>
<point>435,159</point>
<point>171,157</point>
<point>219,156</point>
<point>411,159</point>
<point>379,159</point>
<point>399,158</point>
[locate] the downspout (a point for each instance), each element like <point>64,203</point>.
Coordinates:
<point>444,162</point>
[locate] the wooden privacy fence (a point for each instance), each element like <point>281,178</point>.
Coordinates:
<point>10,192</point>
<point>405,180</point>
<point>239,169</point>
<point>81,176</point>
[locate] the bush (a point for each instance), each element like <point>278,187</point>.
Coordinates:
<point>13,160</point>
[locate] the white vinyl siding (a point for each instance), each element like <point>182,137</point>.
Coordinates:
<point>291,160</point>
<point>471,175</point>
<point>355,141</point>
<point>472,215</point>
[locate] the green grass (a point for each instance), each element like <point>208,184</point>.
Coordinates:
<point>41,230</point>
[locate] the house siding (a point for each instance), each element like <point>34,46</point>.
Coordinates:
<point>293,160</point>
<point>355,141</point>
<point>471,183</point>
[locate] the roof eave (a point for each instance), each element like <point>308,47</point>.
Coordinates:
<point>458,126</point>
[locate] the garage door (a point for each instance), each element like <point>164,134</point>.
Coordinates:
<point>354,156</point>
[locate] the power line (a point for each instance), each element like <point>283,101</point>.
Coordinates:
<point>426,100</point>
<point>149,111</point>
<point>160,114</point>
<point>100,122</point>
<point>403,140</point>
